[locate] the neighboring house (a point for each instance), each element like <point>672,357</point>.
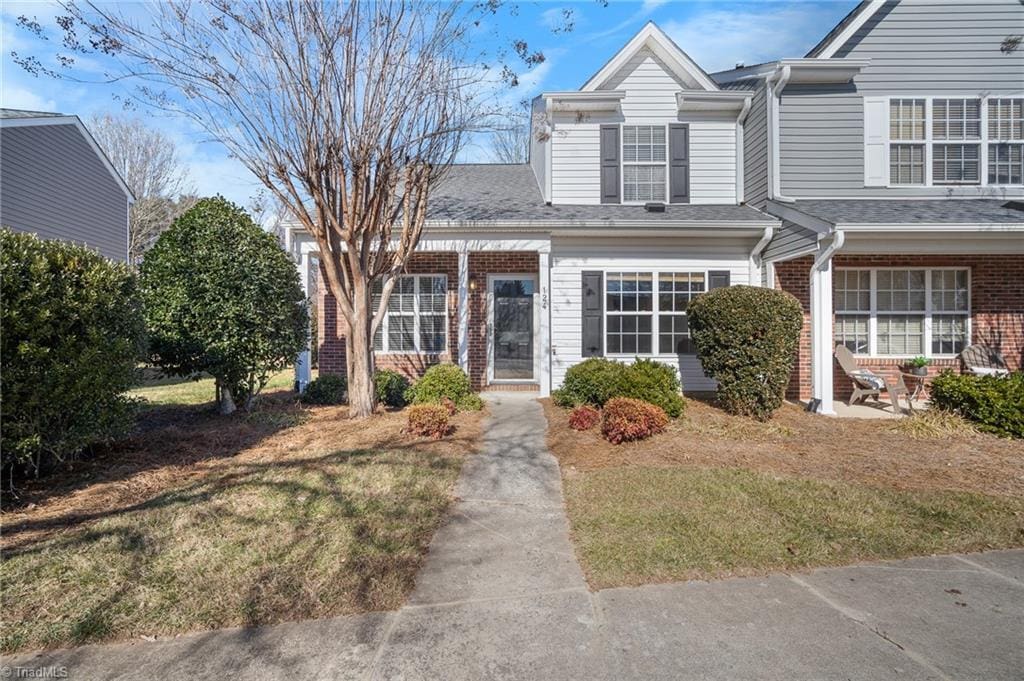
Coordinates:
<point>57,183</point>
<point>656,181</point>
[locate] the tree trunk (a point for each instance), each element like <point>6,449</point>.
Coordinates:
<point>359,353</point>
<point>227,400</point>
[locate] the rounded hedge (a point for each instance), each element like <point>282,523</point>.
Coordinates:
<point>221,296</point>
<point>73,333</point>
<point>390,387</point>
<point>438,382</point>
<point>994,403</point>
<point>326,389</point>
<point>747,340</point>
<point>596,380</point>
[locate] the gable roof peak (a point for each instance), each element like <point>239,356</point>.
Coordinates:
<point>651,37</point>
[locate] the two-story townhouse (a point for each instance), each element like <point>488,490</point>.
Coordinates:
<point>874,179</point>
<point>892,153</point>
<point>631,204</point>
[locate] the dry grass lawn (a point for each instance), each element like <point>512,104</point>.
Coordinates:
<point>717,495</point>
<point>200,521</point>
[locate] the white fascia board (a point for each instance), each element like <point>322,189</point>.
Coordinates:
<point>728,100</point>
<point>652,36</point>
<point>77,122</point>
<point>930,228</point>
<point>851,29</point>
<point>602,100</point>
<point>818,72</point>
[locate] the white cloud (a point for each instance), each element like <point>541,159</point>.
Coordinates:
<point>717,39</point>
<point>651,5</point>
<point>17,97</point>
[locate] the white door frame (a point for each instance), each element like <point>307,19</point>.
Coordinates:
<point>531,277</point>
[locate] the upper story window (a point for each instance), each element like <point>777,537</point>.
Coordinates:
<point>942,141</point>
<point>644,157</point>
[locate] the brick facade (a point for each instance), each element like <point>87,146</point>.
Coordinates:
<point>331,332</point>
<point>997,310</point>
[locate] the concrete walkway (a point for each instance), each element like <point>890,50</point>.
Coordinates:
<point>502,597</point>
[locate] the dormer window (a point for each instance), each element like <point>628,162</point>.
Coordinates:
<point>643,163</point>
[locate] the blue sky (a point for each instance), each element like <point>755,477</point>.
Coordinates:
<point>716,35</point>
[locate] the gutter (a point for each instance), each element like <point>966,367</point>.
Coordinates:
<point>755,255</point>
<point>838,239</point>
<point>776,83</point>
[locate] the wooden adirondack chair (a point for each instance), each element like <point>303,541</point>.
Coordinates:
<point>867,383</point>
<point>982,360</point>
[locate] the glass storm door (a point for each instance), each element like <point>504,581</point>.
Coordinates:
<point>512,341</point>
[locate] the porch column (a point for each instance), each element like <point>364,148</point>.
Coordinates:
<point>463,311</point>
<point>303,368</point>
<point>821,326</point>
<point>544,282</point>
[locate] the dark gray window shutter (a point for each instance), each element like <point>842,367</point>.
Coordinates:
<point>611,167</point>
<point>718,279</point>
<point>679,163</point>
<point>593,314</point>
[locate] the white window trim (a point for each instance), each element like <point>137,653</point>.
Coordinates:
<point>874,312</point>
<point>416,319</point>
<point>623,162</point>
<point>655,312</point>
<point>929,143</point>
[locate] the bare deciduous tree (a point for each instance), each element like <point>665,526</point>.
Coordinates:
<point>510,140</point>
<point>148,162</point>
<point>348,113</point>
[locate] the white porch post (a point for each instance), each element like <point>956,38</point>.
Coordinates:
<point>463,311</point>
<point>544,281</point>
<point>821,326</point>
<point>303,366</point>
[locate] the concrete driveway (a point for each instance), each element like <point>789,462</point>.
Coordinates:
<point>502,597</point>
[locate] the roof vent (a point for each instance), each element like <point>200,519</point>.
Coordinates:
<point>740,65</point>
<point>654,207</point>
<point>1014,205</point>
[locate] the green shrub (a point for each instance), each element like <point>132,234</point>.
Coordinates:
<point>747,339</point>
<point>470,402</point>
<point>221,296</point>
<point>390,387</point>
<point>440,381</point>
<point>995,403</point>
<point>428,420</point>
<point>326,389</point>
<point>593,381</point>
<point>72,333</point>
<point>626,419</point>
<point>653,382</point>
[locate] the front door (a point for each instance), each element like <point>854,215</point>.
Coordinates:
<point>512,324</point>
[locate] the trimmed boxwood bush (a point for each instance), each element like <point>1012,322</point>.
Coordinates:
<point>995,403</point>
<point>626,420</point>
<point>441,381</point>
<point>593,381</point>
<point>428,420</point>
<point>747,339</point>
<point>326,389</point>
<point>653,382</point>
<point>390,387</point>
<point>72,334</point>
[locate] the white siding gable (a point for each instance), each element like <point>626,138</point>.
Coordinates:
<point>650,88</point>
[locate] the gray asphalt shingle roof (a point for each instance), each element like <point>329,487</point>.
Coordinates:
<point>921,211</point>
<point>509,193</point>
<point>21,113</point>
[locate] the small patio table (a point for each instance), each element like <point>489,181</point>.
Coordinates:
<point>920,383</point>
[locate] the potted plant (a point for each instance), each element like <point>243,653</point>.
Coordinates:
<point>919,366</point>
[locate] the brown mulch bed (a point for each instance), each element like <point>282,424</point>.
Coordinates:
<point>869,451</point>
<point>174,446</point>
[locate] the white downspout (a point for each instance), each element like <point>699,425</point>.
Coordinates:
<point>776,83</point>
<point>755,256</point>
<point>740,120</point>
<point>821,327</point>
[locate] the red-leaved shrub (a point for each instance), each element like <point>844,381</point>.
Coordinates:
<point>584,417</point>
<point>428,420</point>
<point>626,419</point>
<point>449,404</point>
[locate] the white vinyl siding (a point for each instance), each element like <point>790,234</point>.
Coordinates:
<point>570,257</point>
<point>575,162</point>
<point>903,312</point>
